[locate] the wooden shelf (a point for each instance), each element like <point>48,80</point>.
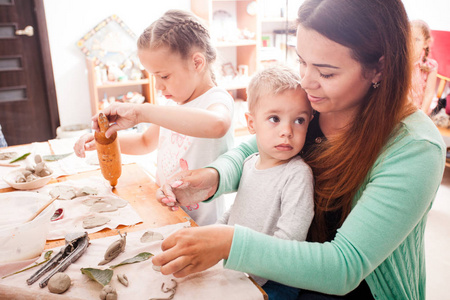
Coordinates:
<point>247,51</point>
<point>123,83</point>
<point>147,85</point>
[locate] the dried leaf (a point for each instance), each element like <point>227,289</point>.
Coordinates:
<point>56,157</point>
<point>20,157</point>
<point>138,258</point>
<point>101,276</point>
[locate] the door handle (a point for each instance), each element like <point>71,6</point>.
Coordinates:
<point>29,30</point>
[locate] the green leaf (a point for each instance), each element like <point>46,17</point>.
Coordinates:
<point>55,157</point>
<point>48,254</point>
<point>20,157</point>
<point>101,276</point>
<point>138,258</point>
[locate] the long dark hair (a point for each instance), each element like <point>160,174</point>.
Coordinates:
<point>372,30</point>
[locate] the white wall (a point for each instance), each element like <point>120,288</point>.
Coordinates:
<point>435,12</point>
<point>67,22</point>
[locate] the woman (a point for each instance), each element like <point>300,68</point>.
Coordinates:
<point>377,162</point>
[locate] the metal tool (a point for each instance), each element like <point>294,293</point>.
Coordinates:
<point>76,245</point>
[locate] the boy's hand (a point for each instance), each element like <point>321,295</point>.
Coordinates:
<point>85,143</point>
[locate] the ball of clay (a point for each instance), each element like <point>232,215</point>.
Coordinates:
<point>108,293</point>
<point>59,283</point>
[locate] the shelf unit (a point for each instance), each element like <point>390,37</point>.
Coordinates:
<point>246,50</point>
<point>113,88</point>
<point>278,21</point>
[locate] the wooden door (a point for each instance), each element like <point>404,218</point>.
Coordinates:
<point>28,107</point>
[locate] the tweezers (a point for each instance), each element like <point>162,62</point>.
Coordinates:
<point>76,245</point>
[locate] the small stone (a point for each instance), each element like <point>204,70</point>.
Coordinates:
<point>59,283</point>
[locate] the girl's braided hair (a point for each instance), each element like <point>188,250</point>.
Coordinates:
<point>426,32</point>
<point>183,33</point>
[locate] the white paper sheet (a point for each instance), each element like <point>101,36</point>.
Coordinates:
<point>144,282</point>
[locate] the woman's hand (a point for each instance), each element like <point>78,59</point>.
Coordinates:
<point>85,143</point>
<point>189,187</point>
<point>120,116</point>
<point>195,249</point>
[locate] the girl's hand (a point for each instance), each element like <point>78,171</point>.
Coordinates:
<point>195,249</point>
<point>85,143</point>
<point>120,116</point>
<point>189,187</point>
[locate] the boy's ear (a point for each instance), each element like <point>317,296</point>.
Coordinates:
<point>199,61</point>
<point>250,123</point>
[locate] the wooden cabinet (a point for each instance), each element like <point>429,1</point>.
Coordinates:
<point>97,88</point>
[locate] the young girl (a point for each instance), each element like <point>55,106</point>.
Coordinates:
<point>425,69</point>
<point>194,126</point>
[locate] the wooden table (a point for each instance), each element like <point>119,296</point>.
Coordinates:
<point>138,188</point>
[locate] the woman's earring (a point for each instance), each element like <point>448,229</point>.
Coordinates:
<point>376,84</point>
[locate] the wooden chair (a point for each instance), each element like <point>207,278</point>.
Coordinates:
<point>442,83</point>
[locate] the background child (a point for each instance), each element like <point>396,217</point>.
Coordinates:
<point>194,125</point>
<point>276,190</point>
<point>425,69</point>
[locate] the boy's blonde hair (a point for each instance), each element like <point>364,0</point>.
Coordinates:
<point>181,32</point>
<point>271,81</point>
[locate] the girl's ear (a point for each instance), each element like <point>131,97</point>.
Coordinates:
<point>378,76</point>
<point>250,123</point>
<point>199,61</point>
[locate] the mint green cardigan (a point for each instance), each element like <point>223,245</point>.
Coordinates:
<point>382,239</point>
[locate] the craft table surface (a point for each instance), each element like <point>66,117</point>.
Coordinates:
<point>138,188</point>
